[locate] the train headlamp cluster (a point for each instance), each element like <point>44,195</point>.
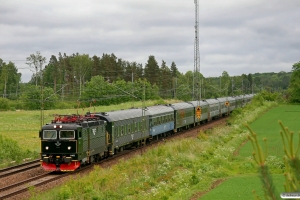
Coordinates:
<point>57,126</point>
<point>69,147</point>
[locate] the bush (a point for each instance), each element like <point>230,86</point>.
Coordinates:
<point>11,151</point>
<point>16,105</point>
<point>65,105</point>
<point>160,102</point>
<point>4,104</point>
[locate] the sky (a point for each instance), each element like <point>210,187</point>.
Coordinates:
<point>236,36</point>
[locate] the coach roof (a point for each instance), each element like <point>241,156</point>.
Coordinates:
<point>182,105</point>
<point>159,109</point>
<point>120,114</point>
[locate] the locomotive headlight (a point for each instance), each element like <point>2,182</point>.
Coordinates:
<point>69,148</point>
<point>46,147</point>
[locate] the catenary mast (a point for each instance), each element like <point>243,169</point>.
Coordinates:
<point>196,78</point>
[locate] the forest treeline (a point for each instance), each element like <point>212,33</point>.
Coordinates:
<point>109,80</point>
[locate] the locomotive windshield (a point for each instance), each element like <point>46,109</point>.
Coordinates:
<point>66,134</point>
<point>49,134</point>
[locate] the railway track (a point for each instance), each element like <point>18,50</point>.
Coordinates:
<point>23,186</point>
<point>19,168</point>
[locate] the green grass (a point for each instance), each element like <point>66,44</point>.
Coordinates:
<point>267,126</point>
<point>241,187</point>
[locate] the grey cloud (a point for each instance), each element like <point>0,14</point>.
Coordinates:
<point>238,36</point>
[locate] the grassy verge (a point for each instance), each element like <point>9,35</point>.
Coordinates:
<point>174,170</point>
<point>11,153</point>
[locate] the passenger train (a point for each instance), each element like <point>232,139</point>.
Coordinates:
<point>71,141</point>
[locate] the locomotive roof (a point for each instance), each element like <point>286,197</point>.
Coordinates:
<point>120,114</point>
<point>159,109</point>
<point>181,105</point>
<point>71,126</point>
<point>196,103</point>
<point>64,126</point>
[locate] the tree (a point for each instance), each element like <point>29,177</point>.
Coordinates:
<point>35,62</point>
<point>151,71</point>
<point>9,78</point>
<point>96,89</point>
<point>174,69</point>
<point>32,97</point>
<point>174,72</point>
<point>109,67</point>
<point>165,81</point>
<point>294,87</point>
<point>225,81</point>
<point>82,64</point>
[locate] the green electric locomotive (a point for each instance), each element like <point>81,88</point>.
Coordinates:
<point>70,141</point>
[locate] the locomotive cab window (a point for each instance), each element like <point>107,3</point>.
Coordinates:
<point>49,134</point>
<point>66,134</point>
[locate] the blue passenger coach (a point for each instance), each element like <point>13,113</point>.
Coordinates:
<point>161,120</point>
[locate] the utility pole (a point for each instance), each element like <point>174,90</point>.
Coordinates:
<point>196,78</point>
<point>232,87</point>
<point>42,95</point>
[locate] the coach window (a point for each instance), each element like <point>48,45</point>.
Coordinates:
<point>122,131</point>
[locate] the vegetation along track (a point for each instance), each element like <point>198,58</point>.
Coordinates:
<point>19,168</point>
<point>43,181</point>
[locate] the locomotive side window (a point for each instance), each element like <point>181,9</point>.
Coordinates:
<point>49,134</point>
<point>66,134</point>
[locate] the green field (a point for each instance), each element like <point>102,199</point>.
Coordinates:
<point>267,126</point>
<point>241,188</point>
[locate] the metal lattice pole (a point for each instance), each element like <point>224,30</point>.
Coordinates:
<point>196,79</point>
